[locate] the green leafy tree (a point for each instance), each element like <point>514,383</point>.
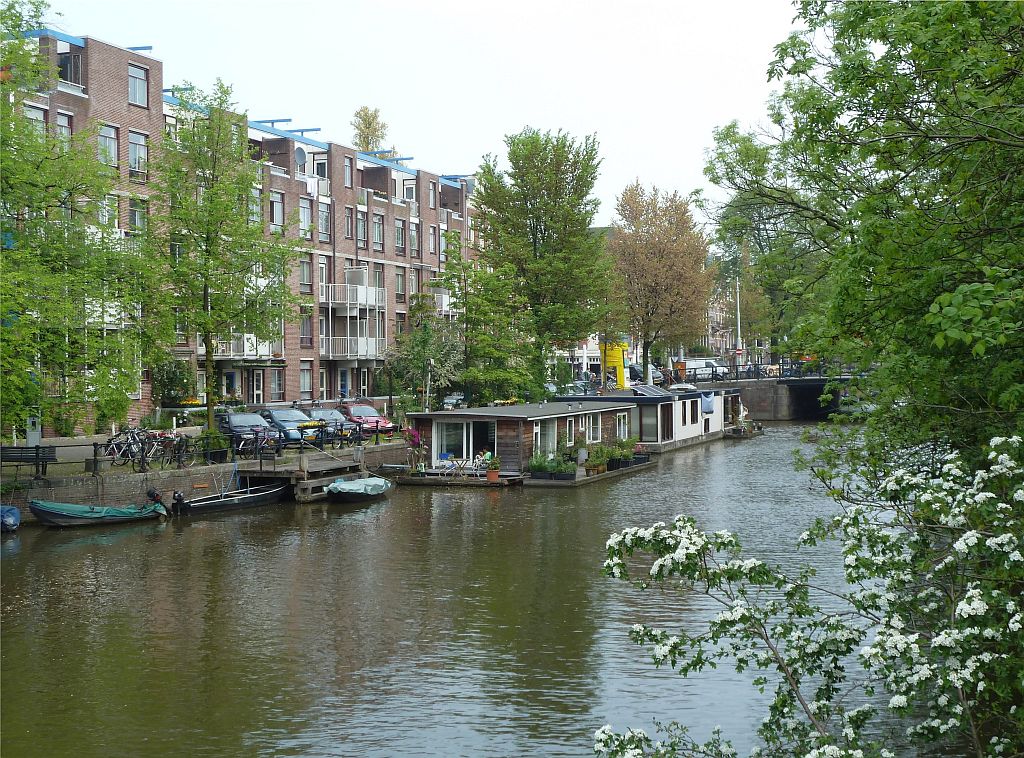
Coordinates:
<point>71,292</point>
<point>535,218</point>
<point>428,347</point>
<point>225,272</point>
<point>661,260</point>
<point>894,169</point>
<point>369,131</point>
<point>492,328</point>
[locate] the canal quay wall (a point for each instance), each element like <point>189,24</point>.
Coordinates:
<point>118,487</point>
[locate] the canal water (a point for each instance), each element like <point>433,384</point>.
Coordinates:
<point>437,623</point>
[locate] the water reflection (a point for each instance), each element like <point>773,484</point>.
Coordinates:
<point>435,623</point>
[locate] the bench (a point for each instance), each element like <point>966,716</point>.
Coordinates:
<point>38,456</point>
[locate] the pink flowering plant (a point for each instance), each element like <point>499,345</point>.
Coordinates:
<point>930,628</point>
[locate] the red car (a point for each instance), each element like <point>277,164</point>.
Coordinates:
<point>368,417</point>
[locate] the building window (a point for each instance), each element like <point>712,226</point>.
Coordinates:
<point>256,206</point>
<point>138,155</point>
<point>201,386</point>
<point>348,171</point>
<point>414,283</point>
<point>306,329</point>
<point>107,145</point>
<point>593,427</point>
<point>378,232</point>
<point>360,228</point>
<point>410,191</point>
<point>622,425</point>
<point>305,276</point>
<point>276,211</point>
<point>323,223</point>
<point>399,324</point>
<point>305,218</point>
<point>433,241</point>
<point>349,223</point>
<point>64,128</point>
<point>276,385</point>
<point>306,380</point>
<point>378,275</point>
<point>400,285</point>
<point>171,128</point>
<point>69,67</point>
<point>400,236</point>
<point>414,240</point>
<point>137,214</point>
<point>320,167</point>
<point>106,211</point>
<point>432,194</point>
<point>138,85</point>
<point>442,246</point>
<point>37,116</point>
<point>324,384</point>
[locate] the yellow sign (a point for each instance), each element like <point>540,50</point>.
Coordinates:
<point>613,358</point>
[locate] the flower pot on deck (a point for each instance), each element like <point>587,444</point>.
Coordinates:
<point>492,475</point>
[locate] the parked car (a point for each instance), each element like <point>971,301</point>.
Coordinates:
<point>706,369</point>
<point>368,417</point>
<point>636,373</point>
<point>340,431</point>
<point>287,421</point>
<point>454,400</point>
<point>238,426</point>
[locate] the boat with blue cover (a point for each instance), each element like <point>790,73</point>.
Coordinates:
<point>358,490</point>
<point>72,514</point>
<point>10,518</point>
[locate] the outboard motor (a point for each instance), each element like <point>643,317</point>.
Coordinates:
<point>180,506</point>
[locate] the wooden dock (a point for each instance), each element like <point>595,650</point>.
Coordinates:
<point>310,472</point>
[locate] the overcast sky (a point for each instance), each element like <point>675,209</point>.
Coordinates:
<point>651,78</point>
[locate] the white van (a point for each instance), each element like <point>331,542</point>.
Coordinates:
<point>706,369</point>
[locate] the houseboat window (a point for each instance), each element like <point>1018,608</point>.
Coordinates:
<point>570,430</point>
<point>649,423</point>
<point>622,425</point>
<point>694,412</point>
<point>545,436</point>
<point>594,427</point>
<point>451,439</point>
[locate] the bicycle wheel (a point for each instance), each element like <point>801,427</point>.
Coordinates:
<point>118,452</point>
<point>187,455</point>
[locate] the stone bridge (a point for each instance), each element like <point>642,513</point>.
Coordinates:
<point>783,398</point>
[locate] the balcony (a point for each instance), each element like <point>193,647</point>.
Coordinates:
<point>414,208</point>
<point>239,346</point>
<point>352,348</point>
<point>353,295</point>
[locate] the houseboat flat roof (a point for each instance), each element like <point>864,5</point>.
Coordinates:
<point>531,411</point>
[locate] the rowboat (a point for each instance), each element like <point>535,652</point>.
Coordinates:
<point>358,490</point>
<point>250,497</point>
<point>71,514</point>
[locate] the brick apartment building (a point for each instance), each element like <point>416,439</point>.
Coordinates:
<point>373,227</point>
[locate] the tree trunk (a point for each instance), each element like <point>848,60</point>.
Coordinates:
<point>208,363</point>
<point>648,376</point>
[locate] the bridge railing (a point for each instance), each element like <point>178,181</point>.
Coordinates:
<point>782,369</point>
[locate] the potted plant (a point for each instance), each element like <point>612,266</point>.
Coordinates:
<point>493,468</point>
<point>565,470</point>
<point>214,445</point>
<point>539,466</point>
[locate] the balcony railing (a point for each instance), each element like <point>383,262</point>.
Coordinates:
<point>239,346</point>
<point>352,347</point>
<point>353,295</point>
<point>414,208</point>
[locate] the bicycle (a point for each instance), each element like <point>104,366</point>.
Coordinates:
<point>177,450</point>
<point>251,446</point>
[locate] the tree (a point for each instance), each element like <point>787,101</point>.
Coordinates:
<point>71,292</point>
<point>661,260</point>
<point>536,219</point>
<point>225,273</point>
<point>893,167</point>
<point>370,131</point>
<point>429,347</point>
<point>493,328</point>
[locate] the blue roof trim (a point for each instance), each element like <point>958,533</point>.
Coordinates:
<point>172,100</point>
<point>450,183</point>
<point>369,158</point>
<point>79,41</point>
